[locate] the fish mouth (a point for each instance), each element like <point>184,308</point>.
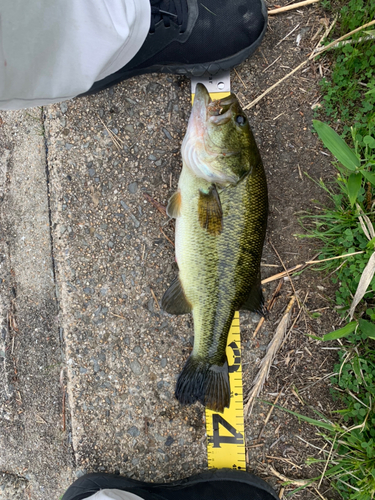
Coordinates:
<point>201,95</point>
<point>216,113</point>
<point>205,109</point>
<point>220,112</point>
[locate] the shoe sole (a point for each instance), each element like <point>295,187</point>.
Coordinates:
<point>91,483</point>
<point>189,70</point>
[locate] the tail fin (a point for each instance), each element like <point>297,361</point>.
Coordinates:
<point>203,382</point>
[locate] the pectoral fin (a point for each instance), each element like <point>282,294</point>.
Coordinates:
<point>174,205</point>
<point>209,211</point>
<point>174,300</point>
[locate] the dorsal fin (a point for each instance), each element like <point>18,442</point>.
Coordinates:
<point>210,213</point>
<point>174,300</point>
<point>174,205</point>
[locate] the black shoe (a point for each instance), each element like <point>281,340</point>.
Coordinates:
<point>223,484</point>
<point>194,38</point>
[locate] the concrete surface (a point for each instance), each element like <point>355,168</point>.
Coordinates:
<point>35,454</point>
<point>88,362</point>
<point>112,261</point>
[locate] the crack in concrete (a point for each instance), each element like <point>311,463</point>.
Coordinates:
<point>43,117</point>
<point>64,389</point>
<point>32,349</point>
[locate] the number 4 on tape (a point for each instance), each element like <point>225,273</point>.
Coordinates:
<point>225,431</point>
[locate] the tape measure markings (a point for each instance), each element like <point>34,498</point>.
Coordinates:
<point>225,431</point>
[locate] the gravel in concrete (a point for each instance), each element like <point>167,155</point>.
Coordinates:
<point>36,456</point>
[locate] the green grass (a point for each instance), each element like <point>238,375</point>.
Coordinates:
<point>350,466</point>
<point>339,227</point>
<point>341,234</point>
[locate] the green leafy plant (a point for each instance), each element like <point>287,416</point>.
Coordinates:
<point>346,230</point>
<point>356,170</point>
<point>348,92</point>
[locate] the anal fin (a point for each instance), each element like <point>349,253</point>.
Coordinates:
<point>210,213</point>
<point>174,300</point>
<point>255,300</point>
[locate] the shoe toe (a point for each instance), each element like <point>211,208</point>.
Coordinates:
<point>223,30</point>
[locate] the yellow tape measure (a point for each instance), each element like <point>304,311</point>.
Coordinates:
<point>225,431</point>
<point>214,96</point>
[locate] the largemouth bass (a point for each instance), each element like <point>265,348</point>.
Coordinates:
<point>221,213</point>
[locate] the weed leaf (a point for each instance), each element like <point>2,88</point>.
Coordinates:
<point>370,141</point>
<point>370,177</point>
<point>367,228</point>
<point>371,244</point>
<point>367,328</point>
<point>336,145</point>
<point>341,332</point>
<point>357,369</point>
<point>318,423</point>
<point>354,185</point>
<point>367,275</point>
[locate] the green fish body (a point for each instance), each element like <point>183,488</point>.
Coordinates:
<point>221,213</point>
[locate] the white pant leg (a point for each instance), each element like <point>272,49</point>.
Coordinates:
<point>52,50</point>
<point>113,495</point>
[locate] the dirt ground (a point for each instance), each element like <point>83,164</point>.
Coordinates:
<point>113,260</point>
<point>282,126</point>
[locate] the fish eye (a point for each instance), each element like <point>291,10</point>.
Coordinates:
<point>240,119</point>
